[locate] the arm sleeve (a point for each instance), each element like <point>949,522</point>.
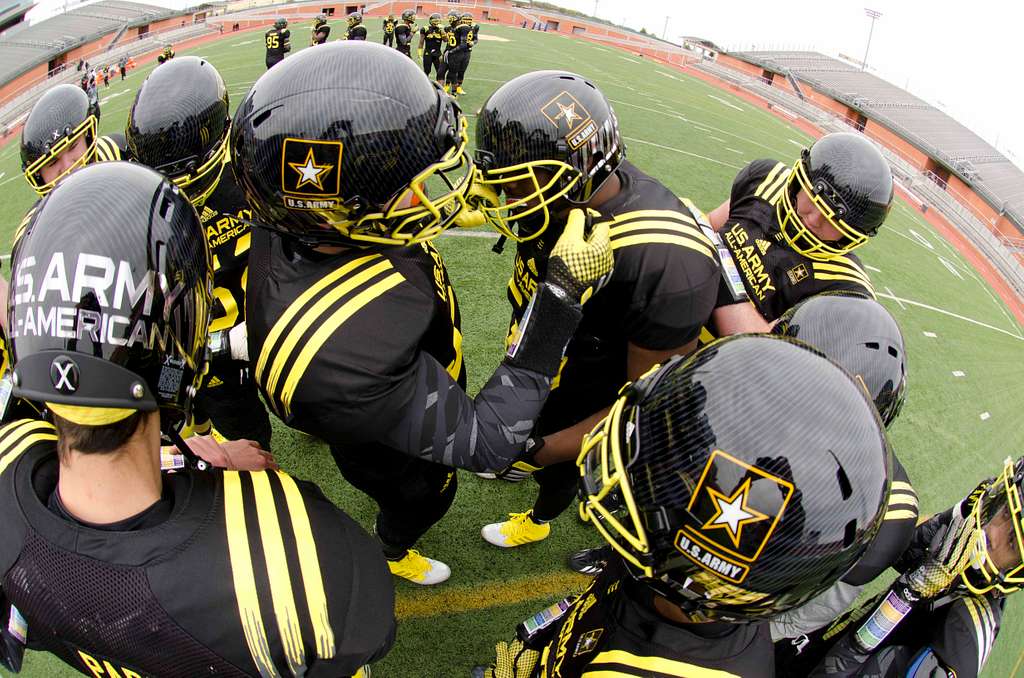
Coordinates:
<point>424,413</point>
<point>359,589</point>
<point>815,613</point>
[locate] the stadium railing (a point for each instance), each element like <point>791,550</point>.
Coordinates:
<point>995,248</point>
<point>18,105</point>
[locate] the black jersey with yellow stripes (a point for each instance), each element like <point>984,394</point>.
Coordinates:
<point>334,336</point>
<point>612,629</point>
<point>253,574</point>
<point>111,147</point>
<point>776,276</point>
<point>229,240</point>
<point>663,289</point>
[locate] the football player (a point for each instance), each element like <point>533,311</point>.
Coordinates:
<point>109,564</point>
<point>461,39</point>
<point>432,40</point>
<point>356,338</point>
<point>278,41</point>
<point>179,125</point>
<point>792,230</point>
<point>942,614</point>
<point>404,31</point>
<point>60,135</point>
<point>389,30</point>
<point>719,516</point>
<point>321,30</point>
<point>550,141</point>
<point>166,55</point>
<point>356,29</point>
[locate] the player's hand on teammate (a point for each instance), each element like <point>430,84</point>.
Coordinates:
<point>513,660</point>
<point>234,455</point>
<point>526,465</point>
<point>480,196</point>
<point>950,551</point>
<point>581,263</point>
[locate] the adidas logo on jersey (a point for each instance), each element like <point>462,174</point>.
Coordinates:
<point>762,246</point>
<point>207,214</point>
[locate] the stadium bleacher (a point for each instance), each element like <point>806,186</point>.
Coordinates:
<point>972,158</point>
<point>22,48</point>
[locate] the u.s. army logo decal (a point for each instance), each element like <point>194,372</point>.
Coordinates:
<point>738,506</point>
<point>797,274</point>
<point>571,118</point>
<point>311,173</point>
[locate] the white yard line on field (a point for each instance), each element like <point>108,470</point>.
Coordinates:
<point>902,300</point>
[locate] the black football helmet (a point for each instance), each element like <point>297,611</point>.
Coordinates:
<point>377,157</point>
<point>280,23</point>
<point>553,133</point>
<point>179,125</point>
<point>739,482</point>
<point>849,181</point>
<point>57,122</point>
<point>453,17</point>
<point>466,19</point>
<point>127,330</point>
<point>354,19</point>
<point>862,337</point>
<point>1003,502</point>
<point>409,16</point>
<point>435,19</point>
<point>319,20</point>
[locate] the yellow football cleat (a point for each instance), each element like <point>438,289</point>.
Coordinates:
<point>419,569</point>
<point>459,90</point>
<point>519,529</point>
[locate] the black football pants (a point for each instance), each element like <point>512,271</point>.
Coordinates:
<point>432,61</point>
<point>457,62</point>
<point>229,398</point>
<point>558,490</point>
<point>271,60</point>
<point>411,494</point>
<point>389,39</point>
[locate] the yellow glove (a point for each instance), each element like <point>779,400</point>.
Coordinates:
<point>580,264</point>
<point>512,661</point>
<point>950,551</point>
<point>420,52</point>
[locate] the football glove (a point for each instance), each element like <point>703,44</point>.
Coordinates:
<point>950,551</point>
<point>581,264</point>
<point>525,466</point>
<point>419,52</point>
<point>512,661</point>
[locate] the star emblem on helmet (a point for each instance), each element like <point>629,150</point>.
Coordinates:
<point>310,172</point>
<point>732,511</point>
<point>568,113</point>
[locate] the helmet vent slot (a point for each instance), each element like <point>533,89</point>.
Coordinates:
<point>850,533</point>
<point>845,487</point>
<point>261,118</point>
<point>873,345</point>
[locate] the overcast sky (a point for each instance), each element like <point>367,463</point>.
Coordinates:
<point>965,58</point>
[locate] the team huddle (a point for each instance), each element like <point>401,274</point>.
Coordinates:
<point>710,388</point>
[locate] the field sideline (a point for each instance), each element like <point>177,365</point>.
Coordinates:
<point>966,381</point>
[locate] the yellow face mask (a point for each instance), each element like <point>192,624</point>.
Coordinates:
<point>86,130</point>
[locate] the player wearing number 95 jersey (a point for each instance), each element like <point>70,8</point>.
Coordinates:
<point>179,126</point>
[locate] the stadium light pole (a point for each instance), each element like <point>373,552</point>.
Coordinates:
<point>665,29</point>
<point>874,14</point>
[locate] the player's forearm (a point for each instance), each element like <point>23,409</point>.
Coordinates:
<point>565,445</point>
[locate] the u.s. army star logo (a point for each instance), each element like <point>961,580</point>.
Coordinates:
<point>797,274</point>
<point>571,118</point>
<point>738,507</point>
<point>311,168</point>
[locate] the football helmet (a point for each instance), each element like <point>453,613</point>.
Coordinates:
<point>179,125</point>
<point>354,19</point>
<point>453,17</point>
<point>132,318</point>
<point>435,19</point>
<point>849,181</point>
<point>551,137</point>
<point>466,19</point>
<point>1003,501</point>
<point>60,118</point>
<point>319,21</point>
<point>377,157</point>
<point>739,482</point>
<point>862,337</point>
<point>409,16</point>
<point>280,23</point>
